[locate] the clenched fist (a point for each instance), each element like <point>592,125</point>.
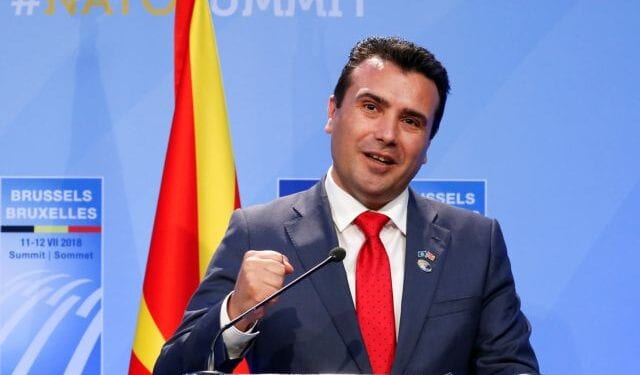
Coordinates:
<point>261,274</point>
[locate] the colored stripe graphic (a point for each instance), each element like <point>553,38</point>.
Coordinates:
<point>51,229</point>
<point>198,191</point>
<point>85,229</point>
<point>17,229</point>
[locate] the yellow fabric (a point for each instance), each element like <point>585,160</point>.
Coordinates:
<point>214,154</point>
<point>148,341</point>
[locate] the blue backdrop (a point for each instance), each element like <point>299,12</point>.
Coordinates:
<point>544,107</point>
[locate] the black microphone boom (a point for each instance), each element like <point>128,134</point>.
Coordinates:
<point>336,254</point>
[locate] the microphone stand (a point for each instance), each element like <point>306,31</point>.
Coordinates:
<point>336,254</point>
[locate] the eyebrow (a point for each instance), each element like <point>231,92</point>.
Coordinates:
<point>385,103</point>
<point>378,99</point>
<point>417,114</point>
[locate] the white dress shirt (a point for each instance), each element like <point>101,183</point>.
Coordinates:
<point>344,210</point>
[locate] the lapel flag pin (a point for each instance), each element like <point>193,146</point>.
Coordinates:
<point>425,258</point>
<point>424,265</point>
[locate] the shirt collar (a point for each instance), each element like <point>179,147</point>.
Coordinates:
<point>345,208</point>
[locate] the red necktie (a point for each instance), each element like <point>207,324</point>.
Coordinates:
<point>374,296</point>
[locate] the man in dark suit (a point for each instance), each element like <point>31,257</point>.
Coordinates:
<point>424,289</point>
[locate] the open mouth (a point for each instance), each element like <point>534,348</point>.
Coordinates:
<point>380,158</point>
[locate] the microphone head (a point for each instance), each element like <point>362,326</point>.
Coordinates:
<point>337,254</point>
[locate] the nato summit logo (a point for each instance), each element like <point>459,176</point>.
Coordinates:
<point>50,275</point>
<point>467,194</point>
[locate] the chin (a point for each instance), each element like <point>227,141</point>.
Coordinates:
<point>377,197</point>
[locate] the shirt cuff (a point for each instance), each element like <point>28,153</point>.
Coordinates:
<point>236,341</point>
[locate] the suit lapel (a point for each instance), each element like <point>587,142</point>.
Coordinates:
<point>419,285</point>
<point>312,234</point>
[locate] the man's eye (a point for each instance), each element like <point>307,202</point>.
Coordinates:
<point>370,107</point>
<point>412,122</point>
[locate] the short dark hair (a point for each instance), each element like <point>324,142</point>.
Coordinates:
<point>408,56</point>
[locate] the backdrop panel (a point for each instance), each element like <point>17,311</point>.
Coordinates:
<point>544,108</point>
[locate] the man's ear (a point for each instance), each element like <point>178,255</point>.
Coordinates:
<point>331,112</point>
<point>426,148</point>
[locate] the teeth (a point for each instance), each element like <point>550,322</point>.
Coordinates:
<point>380,158</point>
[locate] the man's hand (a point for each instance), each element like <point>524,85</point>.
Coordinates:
<point>261,274</point>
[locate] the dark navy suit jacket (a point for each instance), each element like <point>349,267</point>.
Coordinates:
<point>463,317</point>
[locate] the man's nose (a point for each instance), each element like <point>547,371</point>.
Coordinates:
<point>386,130</point>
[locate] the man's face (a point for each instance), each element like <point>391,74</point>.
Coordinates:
<point>380,133</point>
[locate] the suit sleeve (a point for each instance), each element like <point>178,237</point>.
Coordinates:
<point>188,350</point>
<point>502,342</point>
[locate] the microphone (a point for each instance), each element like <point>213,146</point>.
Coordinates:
<point>336,255</point>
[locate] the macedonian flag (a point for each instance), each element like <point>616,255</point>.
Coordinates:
<point>198,191</point>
